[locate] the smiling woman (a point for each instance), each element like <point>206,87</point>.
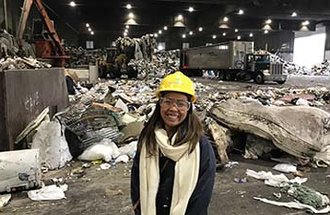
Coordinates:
<point>174,169</point>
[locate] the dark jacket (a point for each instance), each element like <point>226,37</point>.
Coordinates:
<point>200,198</point>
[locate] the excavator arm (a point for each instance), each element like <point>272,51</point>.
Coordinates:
<point>58,50</point>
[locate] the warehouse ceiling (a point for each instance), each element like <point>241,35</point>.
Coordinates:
<point>111,16</point>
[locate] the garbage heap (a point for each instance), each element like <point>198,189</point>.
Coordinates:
<point>163,62</point>
<point>104,123</point>
<point>141,56</point>
<point>321,69</point>
<point>9,54</point>
<point>278,118</point>
<point>111,110</point>
<point>80,57</point>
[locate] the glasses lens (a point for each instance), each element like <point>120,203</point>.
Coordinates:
<point>180,104</point>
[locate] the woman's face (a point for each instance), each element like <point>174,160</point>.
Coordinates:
<point>173,109</point>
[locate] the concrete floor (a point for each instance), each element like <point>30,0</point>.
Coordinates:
<point>108,192</point>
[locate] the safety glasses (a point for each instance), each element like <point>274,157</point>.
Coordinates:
<point>169,102</point>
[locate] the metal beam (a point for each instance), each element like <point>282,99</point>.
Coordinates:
<point>23,19</point>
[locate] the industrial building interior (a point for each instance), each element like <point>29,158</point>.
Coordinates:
<point>82,75</point>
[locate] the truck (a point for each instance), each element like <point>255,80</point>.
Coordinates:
<point>232,61</point>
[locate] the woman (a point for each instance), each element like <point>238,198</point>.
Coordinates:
<point>174,168</point>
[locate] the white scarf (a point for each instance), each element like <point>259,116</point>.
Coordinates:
<point>185,174</point>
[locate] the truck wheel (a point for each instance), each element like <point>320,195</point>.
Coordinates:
<point>259,79</point>
<point>280,82</point>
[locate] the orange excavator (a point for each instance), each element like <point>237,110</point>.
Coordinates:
<point>49,48</point>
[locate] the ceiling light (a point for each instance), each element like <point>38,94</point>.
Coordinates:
<point>266,32</point>
<point>89,29</point>
<point>239,37</point>
<point>155,35</point>
<point>191,9</point>
<point>214,37</point>
<point>241,12</point>
<point>131,22</point>
<point>224,26</point>
<point>191,33</point>
<point>131,15</point>
<point>126,30</point>
<point>184,36</point>
<point>268,21</point>
<point>294,14</point>
<point>125,34</point>
<point>200,29</point>
<point>127,26</point>
<point>165,28</point>
<point>87,25</point>
<point>179,21</point>
<point>224,34</point>
<point>160,32</point>
<point>225,19</point>
<point>236,30</point>
<point>305,23</point>
<point>129,6</point>
<point>73,4</point>
<point>92,32</point>
<point>250,35</point>
<point>267,27</point>
<point>304,28</point>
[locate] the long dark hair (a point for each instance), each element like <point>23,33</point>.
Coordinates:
<point>190,130</point>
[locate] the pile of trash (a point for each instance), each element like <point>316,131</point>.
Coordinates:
<point>312,96</point>
<point>137,48</point>
<point>108,109</point>
<point>22,63</point>
<point>163,62</point>
<point>80,57</point>
<point>322,69</point>
<point>9,54</point>
<point>104,123</point>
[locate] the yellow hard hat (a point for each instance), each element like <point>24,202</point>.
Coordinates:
<point>177,82</point>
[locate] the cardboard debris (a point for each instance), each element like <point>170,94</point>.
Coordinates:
<point>106,106</point>
<point>132,130</point>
